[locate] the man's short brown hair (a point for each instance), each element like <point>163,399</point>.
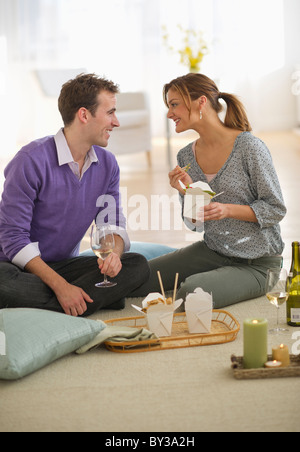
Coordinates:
<point>82,92</point>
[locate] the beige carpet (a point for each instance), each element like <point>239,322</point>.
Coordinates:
<point>187,390</point>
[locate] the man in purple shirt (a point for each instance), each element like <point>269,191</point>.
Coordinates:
<point>55,188</point>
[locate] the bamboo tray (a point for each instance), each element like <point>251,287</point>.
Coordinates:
<point>225,328</point>
<point>251,374</point>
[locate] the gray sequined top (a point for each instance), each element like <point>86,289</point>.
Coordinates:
<point>247,178</point>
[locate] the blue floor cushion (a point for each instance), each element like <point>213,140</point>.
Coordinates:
<point>149,250</point>
<point>32,338</point>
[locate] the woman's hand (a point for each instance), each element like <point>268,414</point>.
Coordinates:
<point>216,211</point>
<point>179,174</point>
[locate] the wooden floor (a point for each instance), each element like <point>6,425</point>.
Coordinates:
<point>152,207</point>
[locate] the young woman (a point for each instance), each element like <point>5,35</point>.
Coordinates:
<point>242,234</point>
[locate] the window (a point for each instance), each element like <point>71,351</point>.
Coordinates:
<point>122,39</point>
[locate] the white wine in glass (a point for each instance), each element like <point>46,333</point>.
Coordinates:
<point>103,244</point>
<point>277,293</point>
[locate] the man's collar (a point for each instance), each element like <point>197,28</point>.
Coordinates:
<point>63,151</point>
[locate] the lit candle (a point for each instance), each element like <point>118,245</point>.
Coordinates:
<point>273,364</point>
<point>255,343</point>
<point>282,354</point>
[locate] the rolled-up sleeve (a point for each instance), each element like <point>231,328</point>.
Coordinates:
<point>26,255</point>
<point>269,207</point>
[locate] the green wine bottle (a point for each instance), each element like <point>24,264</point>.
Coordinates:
<point>293,287</point>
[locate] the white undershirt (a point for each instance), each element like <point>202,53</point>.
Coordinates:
<point>209,177</point>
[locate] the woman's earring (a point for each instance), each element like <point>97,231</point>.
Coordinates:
<point>201,115</point>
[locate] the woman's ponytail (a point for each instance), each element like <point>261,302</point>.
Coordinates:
<point>236,117</point>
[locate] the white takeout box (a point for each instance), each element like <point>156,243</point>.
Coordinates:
<point>195,200</point>
<point>199,308</point>
<point>159,316</point>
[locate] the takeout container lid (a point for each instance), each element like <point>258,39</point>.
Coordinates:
<point>199,192</point>
<point>159,316</point>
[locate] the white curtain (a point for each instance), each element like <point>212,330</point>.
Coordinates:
<point>122,39</point>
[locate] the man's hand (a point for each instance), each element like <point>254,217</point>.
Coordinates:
<point>73,299</point>
<point>111,266</point>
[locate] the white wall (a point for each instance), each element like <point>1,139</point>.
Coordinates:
<point>254,55</point>
<point>271,101</point>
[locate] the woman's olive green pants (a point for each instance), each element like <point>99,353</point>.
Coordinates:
<point>230,280</point>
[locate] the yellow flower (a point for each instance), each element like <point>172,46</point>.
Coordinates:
<point>193,50</point>
<point>188,51</point>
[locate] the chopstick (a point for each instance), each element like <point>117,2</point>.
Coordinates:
<point>187,167</point>
<point>219,194</point>
<point>161,285</point>
<point>175,287</point>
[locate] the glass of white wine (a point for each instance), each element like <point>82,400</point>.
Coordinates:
<point>103,244</point>
<point>277,293</point>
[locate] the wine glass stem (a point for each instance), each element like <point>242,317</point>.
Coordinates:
<point>278,317</point>
<point>105,279</point>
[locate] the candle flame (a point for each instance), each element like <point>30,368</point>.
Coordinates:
<point>255,322</point>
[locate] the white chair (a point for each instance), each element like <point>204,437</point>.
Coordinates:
<point>134,133</point>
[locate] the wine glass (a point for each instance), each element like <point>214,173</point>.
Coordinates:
<point>277,293</point>
<point>103,244</point>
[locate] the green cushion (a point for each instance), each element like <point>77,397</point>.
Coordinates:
<point>32,338</point>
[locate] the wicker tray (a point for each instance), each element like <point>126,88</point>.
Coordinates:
<point>225,328</point>
<point>251,374</point>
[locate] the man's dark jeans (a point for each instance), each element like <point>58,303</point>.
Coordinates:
<point>20,289</point>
